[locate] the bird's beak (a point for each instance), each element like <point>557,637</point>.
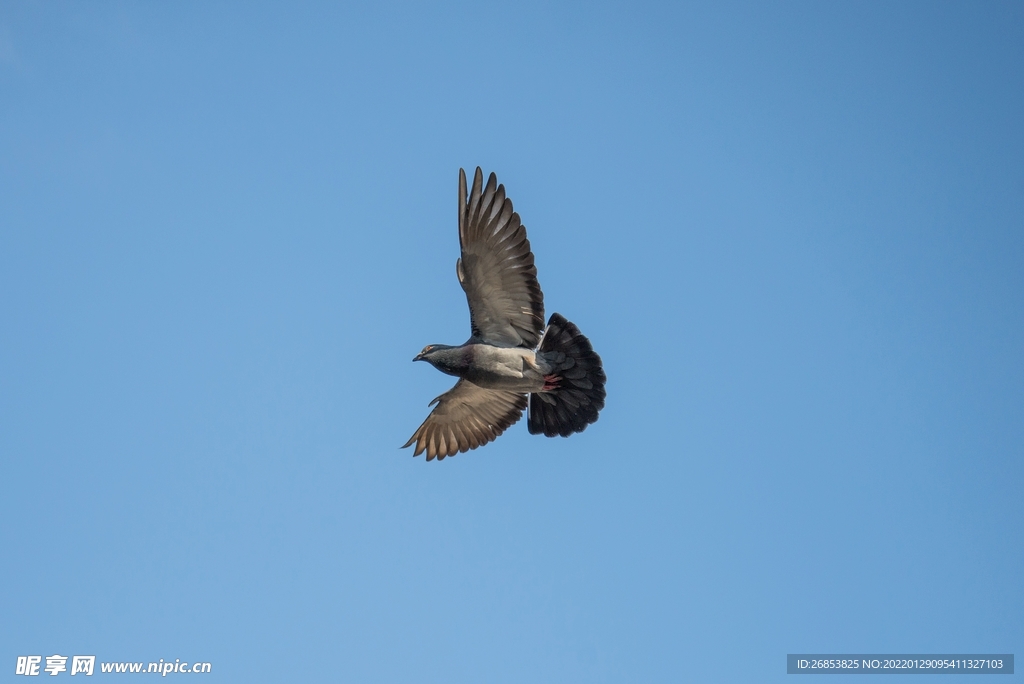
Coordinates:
<point>418,357</point>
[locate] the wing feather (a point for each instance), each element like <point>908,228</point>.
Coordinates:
<point>466,416</point>
<point>506,305</point>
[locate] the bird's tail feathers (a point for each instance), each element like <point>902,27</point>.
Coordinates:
<point>576,392</point>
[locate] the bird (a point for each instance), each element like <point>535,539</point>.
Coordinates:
<point>512,361</point>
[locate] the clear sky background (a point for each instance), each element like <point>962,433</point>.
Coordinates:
<point>793,231</point>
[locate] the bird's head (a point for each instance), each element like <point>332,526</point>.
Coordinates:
<point>429,350</point>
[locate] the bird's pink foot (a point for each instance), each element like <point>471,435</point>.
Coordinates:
<point>551,382</point>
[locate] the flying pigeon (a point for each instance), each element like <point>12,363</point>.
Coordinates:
<point>511,361</point>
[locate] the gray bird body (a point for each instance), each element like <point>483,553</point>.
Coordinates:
<point>499,368</point>
<point>511,361</point>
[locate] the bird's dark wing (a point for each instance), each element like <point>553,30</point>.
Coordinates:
<point>466,416</point>
<point>506,306</point>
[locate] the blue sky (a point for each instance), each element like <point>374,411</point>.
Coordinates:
<point>793,231</point>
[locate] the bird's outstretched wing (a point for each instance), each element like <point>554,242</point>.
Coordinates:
<point>506,305</point>
<point>466,416</point>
